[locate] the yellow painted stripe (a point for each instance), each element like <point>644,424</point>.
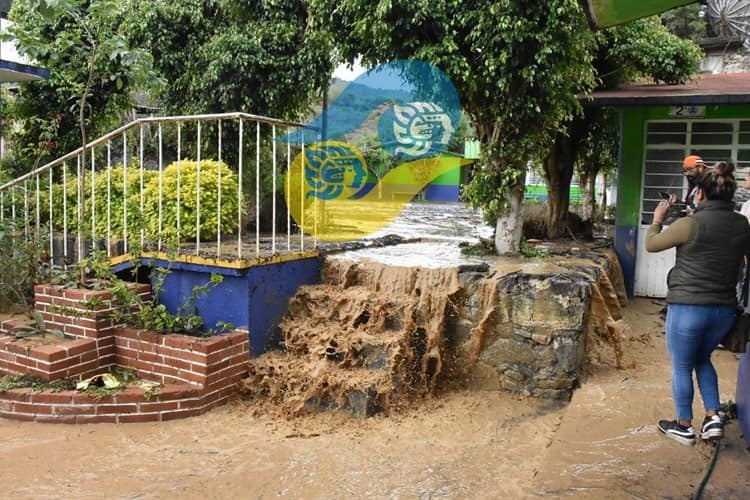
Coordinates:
<point>229,264</point>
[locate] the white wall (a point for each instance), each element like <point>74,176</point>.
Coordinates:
<point>8,51</point>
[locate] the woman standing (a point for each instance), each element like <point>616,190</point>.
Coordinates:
<point>701,297</point>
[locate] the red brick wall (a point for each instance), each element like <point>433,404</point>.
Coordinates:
<point>50,362</point>
<point>67,310</point>
<point>198,373</point>
<point>182,358</point>
<point>129,405</point>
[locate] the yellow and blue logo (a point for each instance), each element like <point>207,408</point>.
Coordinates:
<point>330,190</point>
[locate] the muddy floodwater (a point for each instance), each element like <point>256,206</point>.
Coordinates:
<point>458,444</point>
<point>455,443</point>
<point>448,221</point>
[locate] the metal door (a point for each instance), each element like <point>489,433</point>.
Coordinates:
<point>667,143</point>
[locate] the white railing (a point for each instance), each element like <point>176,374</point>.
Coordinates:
<point>130,219</point>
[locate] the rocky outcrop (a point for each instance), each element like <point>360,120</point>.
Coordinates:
<point>374,336</point>
<point>533,330</point>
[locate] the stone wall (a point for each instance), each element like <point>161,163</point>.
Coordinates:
<point>529,331</point>
<point>381,335</point>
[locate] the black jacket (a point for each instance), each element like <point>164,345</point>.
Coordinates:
<point>707,266</point>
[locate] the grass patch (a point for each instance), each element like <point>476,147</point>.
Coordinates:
<point>35,383</point>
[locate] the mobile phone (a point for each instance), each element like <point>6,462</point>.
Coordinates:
<point>665,195</point>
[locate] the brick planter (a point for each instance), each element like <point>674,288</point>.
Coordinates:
<point>181,358</point>
<point>51,362</point>
<point>197,373</point>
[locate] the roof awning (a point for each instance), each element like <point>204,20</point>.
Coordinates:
<point>605,13</point>
<point>706,89</point>
<point>16,72</point>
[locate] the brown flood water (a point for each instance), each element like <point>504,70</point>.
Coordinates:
<point>462,444</point>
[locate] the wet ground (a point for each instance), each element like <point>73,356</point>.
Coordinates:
<point>438,227</point>
<point>447,221</point>
<point>461,444</point>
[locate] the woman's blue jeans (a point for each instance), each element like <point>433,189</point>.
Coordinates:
<point>693,332</point>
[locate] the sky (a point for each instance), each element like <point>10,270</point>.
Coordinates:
<point>343,72</point>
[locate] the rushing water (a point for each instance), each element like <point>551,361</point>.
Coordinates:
<point>444,221</point>
<point>440,227</point>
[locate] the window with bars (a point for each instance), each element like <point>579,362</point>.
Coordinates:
<point>667,144</point>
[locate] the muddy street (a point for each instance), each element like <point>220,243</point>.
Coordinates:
<point>461,444</point>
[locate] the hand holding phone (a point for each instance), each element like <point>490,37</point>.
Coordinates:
<point>671,199</point>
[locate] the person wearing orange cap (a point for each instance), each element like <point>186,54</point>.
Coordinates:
<point>691,166</point>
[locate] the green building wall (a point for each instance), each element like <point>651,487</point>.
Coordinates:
<point>630,172</point>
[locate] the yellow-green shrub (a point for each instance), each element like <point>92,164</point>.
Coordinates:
<point>100,202</point>
<point>209,191</point>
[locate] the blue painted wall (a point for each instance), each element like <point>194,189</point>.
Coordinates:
<point>442,193</point>
<point>256,297</point>
<point>270,288</point>
<point>743,395</point>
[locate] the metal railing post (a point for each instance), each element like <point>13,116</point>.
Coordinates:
<point>198,197</point>
<point>218,200</point>
<point>135,209</point>
<point>240,199</point>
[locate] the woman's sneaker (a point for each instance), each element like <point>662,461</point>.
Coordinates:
<point>680,433</point>
<point>713,427</point>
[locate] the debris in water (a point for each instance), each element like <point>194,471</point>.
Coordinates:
<point>373,336</point>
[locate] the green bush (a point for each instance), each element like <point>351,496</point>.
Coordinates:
<point>209,191</point>
<point>209,174</point>
<point>100,202</point>
<point>20,262</point>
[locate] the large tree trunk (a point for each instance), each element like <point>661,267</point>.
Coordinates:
<point>509,225</point>
<point>558,171</point>
<point>588,192</point>
<point>509,221</point>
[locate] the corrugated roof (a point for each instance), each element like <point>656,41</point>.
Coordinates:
<point>723,88</point>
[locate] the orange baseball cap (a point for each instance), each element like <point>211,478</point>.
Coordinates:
<point>692,161</point>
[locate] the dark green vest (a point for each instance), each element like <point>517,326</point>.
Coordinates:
<point>707,267</point>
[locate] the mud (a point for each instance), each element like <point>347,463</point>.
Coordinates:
<point>368,339</point>
<point>374,336</point>
<point>462,444</point>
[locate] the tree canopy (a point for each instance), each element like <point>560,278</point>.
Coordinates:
<point>220,55</point>
<point>644,48</point>
<point>91,64</point>
<point>641,49</point>
<point>688,21</point>
<point>517,66</point>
